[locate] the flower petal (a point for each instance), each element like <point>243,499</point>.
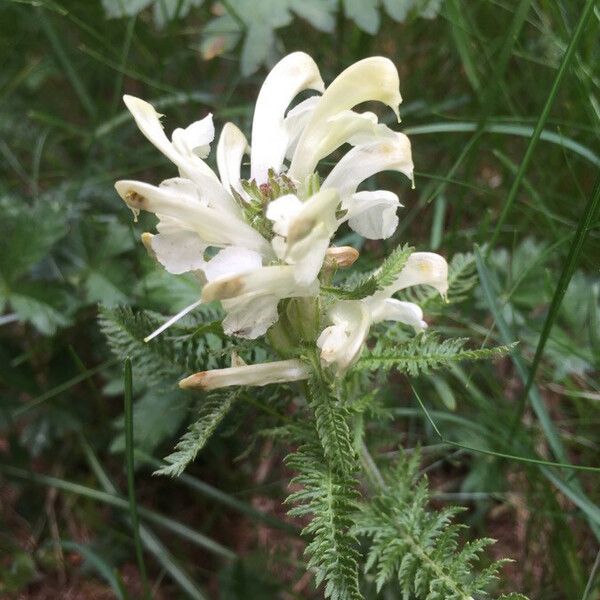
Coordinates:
<point>196,138</point>
<point>373,214</point>
<point>308,254</point>
<point>178,252</point>
<point>177,202</point>
<point>282,211</point>
<point>296,120</point>
<point>308,234</point>
<point>422,268</point>
<point>365,160</point>
<point>319,208</point>
<point>189,164</point>
<point>275,280</point>
<point>346,126</point>
<point>270,139</point>
<point>390,309</point>
<point>232,261</point>
<point>342,342</point>
<point>250,316</point>
<point>374,78</point>
<point>230,150</point>
<point>262,374</point>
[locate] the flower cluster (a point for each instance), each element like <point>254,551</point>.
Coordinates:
<point>256,240</point>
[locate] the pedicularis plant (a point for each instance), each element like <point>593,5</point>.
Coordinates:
<point>261,243</point>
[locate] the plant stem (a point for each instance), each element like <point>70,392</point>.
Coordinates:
<point>371,469</point>
<point>135,522</point>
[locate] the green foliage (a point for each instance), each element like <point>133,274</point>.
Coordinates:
<point>418,547</point>
<point>157,417</point>
<point>328,497</point>
<point>255,24</point>
<point>163,11</point>
<point>27,235</point>
<point>422,354</point>
<point>212,410</point>
<point>367,284</point>
<point>326,462</point>
<point>98,246</point>
<point>168,356</point>
<point>331,421</point>
<point>66,243</point>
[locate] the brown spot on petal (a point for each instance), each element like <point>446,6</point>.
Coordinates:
<point>135,200</point>
<point>300,229</point>
<point>222,290</point>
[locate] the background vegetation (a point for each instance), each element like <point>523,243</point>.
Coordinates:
<point>477,77</point>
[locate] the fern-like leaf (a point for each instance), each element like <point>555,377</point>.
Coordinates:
<point>391,267</point>
<point>366,284</point>
<point>329,498</point>
<point>213,410</point>
<point>193,344</point>
<point>423,354</point>
<point>125,332</point>
<point>417,547</point>
<point>331,420</point>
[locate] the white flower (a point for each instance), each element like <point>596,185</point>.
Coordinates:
<point>250,293</point>
<point>268,236</point>
<point>304,230</point>
<point>341,343</point>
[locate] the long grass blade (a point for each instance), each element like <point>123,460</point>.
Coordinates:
<point>171,525</point>
<point>150,541</point>
<point>130,464</point>
<point>63,387</point>
<point>64,61</point>
<point>535,137</point>
<point>516,457</point>
<point>586,220</point>
<point>223,498</point>
<point>104,569</point>
<point>535,399</point>
<point>516,129</point>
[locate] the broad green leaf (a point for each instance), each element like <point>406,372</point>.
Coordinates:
<point>319,13</point>
<point>157,416</point>
<point>365,13</point>
<point>166,11</point>
<point>46,307</point>
<point>124,8</point>
<point>27,233</point>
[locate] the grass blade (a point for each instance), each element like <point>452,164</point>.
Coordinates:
<point>135,522</point>
<point>587,218</point>
<point>535,137</point>
<point>117,501</point>
<point>525,459</point>
<point>223,498</point>
<point>517,129</point>
<point>537,404</point>
<point>150,541</point>
<point>104,569</point>
<point>65,63</point>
